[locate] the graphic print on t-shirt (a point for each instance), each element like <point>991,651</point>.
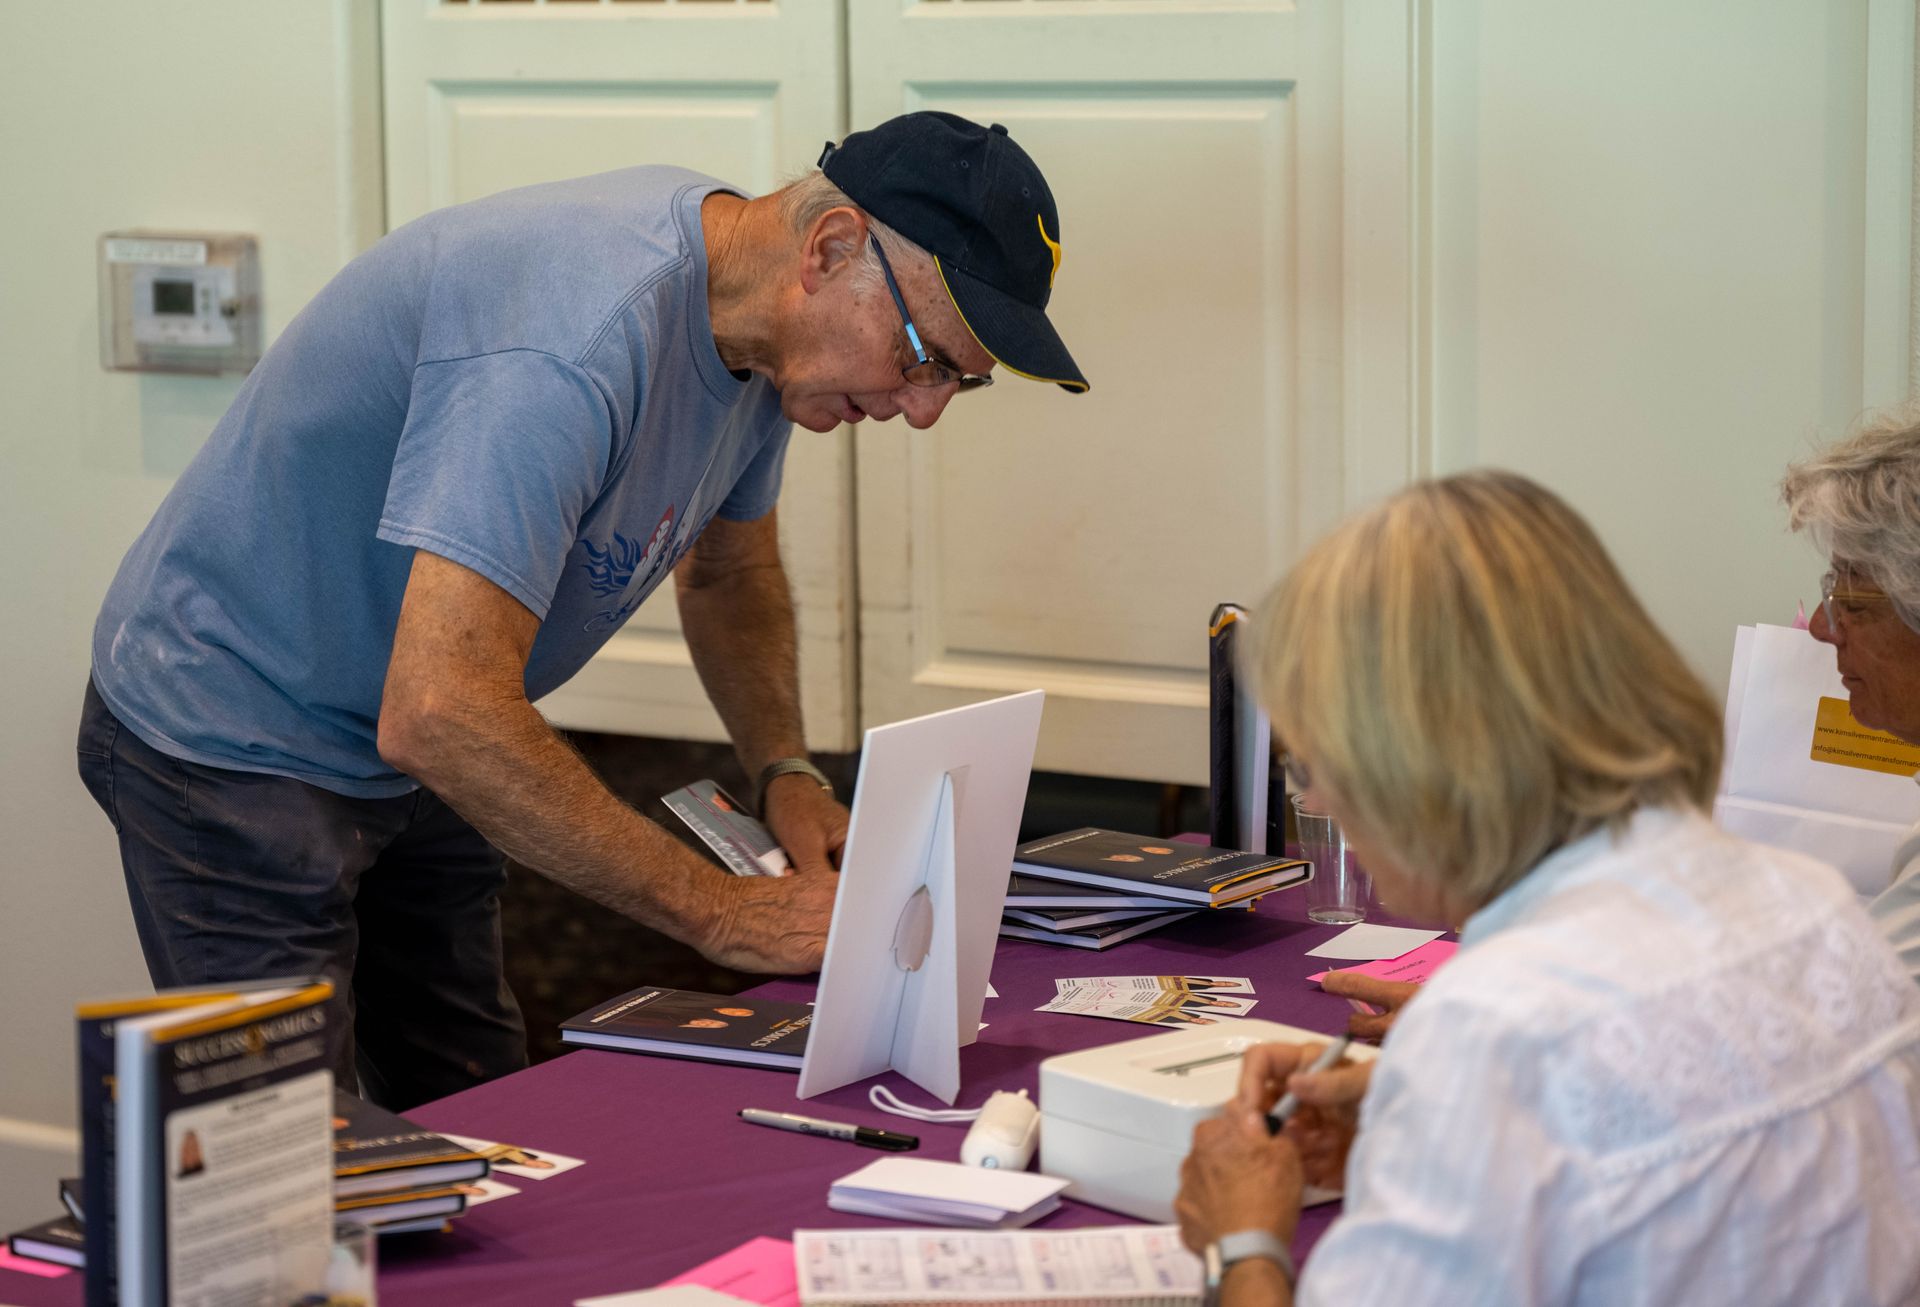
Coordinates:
<point>614,571</point>
<point>623,568</point>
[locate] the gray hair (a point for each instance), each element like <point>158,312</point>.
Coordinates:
<point>1860,501</point>
<point>805,198</point>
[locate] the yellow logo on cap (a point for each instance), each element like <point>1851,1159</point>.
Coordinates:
<point>1053,248</point>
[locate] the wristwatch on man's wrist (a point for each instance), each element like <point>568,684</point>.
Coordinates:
<point>773,771</point>
<point>1238,1247</point>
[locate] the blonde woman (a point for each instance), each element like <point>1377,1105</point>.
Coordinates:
<point>1666,1066</point>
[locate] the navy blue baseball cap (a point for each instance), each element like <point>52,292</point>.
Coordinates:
<point>975,201</point>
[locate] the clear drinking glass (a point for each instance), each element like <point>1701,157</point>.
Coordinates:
<point>355,1264</point>
<point>1340,889</point>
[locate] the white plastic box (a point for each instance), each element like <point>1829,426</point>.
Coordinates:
<point>1117,1120</point>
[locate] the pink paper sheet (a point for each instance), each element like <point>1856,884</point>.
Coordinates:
<point>1410,968</point>
<point>31,1265</point>
<point>759,1270</point>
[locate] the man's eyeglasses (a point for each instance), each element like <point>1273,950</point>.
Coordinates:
<point>926,370</point>
<point>1842,601</point>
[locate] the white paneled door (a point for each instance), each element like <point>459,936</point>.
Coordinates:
<point>1078,543</point>
<point>485,96</point>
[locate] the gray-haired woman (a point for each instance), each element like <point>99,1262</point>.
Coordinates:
<point>1860,501</point>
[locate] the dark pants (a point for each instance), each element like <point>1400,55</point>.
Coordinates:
<point>244,876</point>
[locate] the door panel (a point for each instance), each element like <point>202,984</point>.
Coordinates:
<point>490,138</point>
<point>1078,543</point>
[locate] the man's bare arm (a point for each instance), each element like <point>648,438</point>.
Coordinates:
<point>456,718</point>
<point>737,612</point>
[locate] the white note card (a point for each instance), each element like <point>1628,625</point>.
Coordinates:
<point>674,1295</point>
<point>1369,943</point>
<point>922,1178</point>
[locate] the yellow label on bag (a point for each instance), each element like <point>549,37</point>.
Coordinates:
<point>1842,741</point>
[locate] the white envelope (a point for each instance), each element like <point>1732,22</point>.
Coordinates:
<point>1771,789</point>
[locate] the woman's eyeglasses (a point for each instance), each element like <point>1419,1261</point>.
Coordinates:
<point>1844,601</point>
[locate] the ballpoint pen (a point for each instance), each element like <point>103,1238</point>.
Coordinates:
<point>1288,1103</point>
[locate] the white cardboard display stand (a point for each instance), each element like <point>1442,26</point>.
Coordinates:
<point>936,815</point>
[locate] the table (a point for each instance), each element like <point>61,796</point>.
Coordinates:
<point>673,1178</point>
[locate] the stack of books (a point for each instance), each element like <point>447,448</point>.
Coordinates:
<point>394,1177</point>
<point>1093,888</point>
<point>388,1174</point>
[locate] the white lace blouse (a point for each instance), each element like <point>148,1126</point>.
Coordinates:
<point>1675,1068</point>
<point>1897,910</point>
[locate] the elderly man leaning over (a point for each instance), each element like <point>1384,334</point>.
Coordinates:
<point>452,479</point>
<point>1860,501</point>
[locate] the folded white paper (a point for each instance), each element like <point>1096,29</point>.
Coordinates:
<point>945,1193</point>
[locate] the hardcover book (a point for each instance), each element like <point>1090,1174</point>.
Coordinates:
<point>704,1027</point>
<point>222,1117</point>
<point>1187,873</point>
<point>59,1241</point>
<point>99,1170</point>
<point>1079,918</point>
<point>1033,892</point>
<point>1093,937</point>
<point>433,1203</point>
<point>436,1224</point>
<point>375,1151</point>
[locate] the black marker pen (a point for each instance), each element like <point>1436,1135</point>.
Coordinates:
<point>865,1136</point>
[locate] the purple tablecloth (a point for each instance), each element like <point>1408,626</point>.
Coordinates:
<point>673,1178</point>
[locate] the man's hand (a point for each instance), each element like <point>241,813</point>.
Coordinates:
<point>780,923</point>
<point>773,923</point>
<point>809,823</point>
<point>1323,1126</point>
<point>1387,995</point>
<point>1237,1177</point>
<point>455,717</point>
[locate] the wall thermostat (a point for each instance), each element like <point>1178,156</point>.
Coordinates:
<point>179,302</point>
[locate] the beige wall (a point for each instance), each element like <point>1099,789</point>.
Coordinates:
<point>1671,248</point>
<point>228,115</point>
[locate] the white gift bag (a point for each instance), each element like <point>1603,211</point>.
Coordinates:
<point>1774,791</point>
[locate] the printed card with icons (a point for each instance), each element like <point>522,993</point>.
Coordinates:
<point>1154,1000</point>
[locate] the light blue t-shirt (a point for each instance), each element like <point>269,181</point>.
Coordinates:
<point>527,385</point>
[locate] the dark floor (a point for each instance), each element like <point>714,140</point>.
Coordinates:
<point>566,953</point>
